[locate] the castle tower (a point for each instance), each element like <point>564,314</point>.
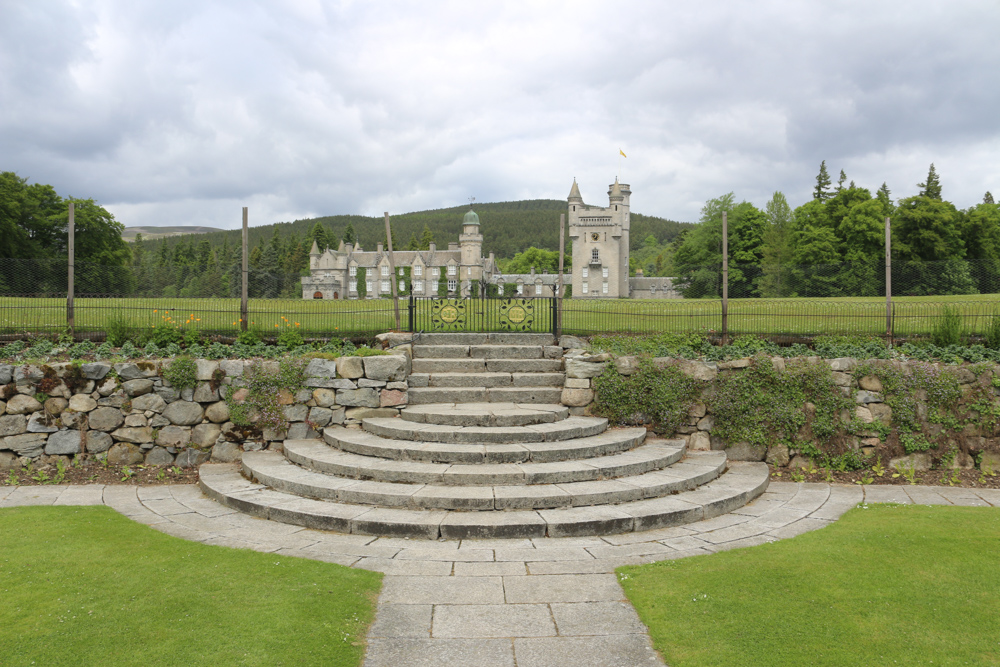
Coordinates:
<point>600,237</point>
<point>470,242</point>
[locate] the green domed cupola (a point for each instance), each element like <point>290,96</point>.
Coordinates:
<point>471,218</point>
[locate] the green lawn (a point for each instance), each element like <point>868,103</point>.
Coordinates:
<point>87,586</point>
<point>863,315</point>
<point>885,585</point>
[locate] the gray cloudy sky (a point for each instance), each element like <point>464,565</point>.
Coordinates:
<point>181,112</point>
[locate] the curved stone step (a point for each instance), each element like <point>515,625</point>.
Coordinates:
<point>369,444</point>
<point>484,351</point>
<point>496,338</point>
<point>485,379</point>
<point>484,414</point>
<point>469,365</point>
<point>743,483</point>
<point>279,474</point>
<point>564,429</point>
<point>317,455</point>
<point>423,395</point>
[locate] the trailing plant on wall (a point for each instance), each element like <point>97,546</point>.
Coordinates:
<point>660,395</point>
<point>362,283</point>
<point>762,404</point>
<point>261,405</point>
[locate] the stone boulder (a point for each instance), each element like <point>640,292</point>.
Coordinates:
<point>98,442</point>
<point>365,398</point>
<point>917,461</point>
<point>125,454</point>
<point>321,368</point>
<point>226,452</point>
<point>158,456</point>
<point>54,406</point>
<point>324,397</point>
<point>744,451</point>
<point>191,458</point>
<point>26,444</point>
<point>136,435</point>
<point>205,435</point>
<point>22,404</point>
<point>577,368</point>
<point>577,397</point>
<point>392,397</point>
<point>173,436</point>
<point>572,343</point>
<point>95,371</point>
<point>626,365</point>
<point>6,373</point>
<point>777,455</point>
<point>184,413</point>
<point>152,402</point>
<point>137,387</point>
<point>63,443</point>
<point>217,412</point>
<point>204,393</point>
<point>13,425</point>
<point>42,423</point>
<point>105,419</point>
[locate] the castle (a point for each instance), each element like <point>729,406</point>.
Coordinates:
<point>599,236</point>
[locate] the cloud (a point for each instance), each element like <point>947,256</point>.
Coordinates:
<point>189,110</point>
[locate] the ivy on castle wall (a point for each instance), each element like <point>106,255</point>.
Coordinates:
<point>660,395</point>
<point>362,283</point>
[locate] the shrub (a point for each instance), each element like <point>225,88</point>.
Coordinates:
<point>992,335</point>
<point>182,373</point>
<point>119,329</point>
<point>661,395</point>
<point>947,330</point>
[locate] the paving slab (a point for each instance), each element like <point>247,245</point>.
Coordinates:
<point>402,620</point>
<point>442,590</point>
<point>493,620</point>
<point>604,651</point>
<point>596,618</point>
<point>397,652</point>
<point>90,494</point>
<point>562,588</point>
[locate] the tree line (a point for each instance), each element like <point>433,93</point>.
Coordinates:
<point>834,244</point>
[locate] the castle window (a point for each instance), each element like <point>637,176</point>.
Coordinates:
<point>595,256</point>
<point>538,289</point>
<point>385,269</point>
<point>605,272</point>
<point>354,287</point>
<point>437,286</point>
<point>435,271</point>
<point>353,271</point>
<point>585,272</point>
<point>452,285</point>
<point>451,270</point>
<point>400,271</point>
<point>418,287</point>
<point>402,286</point>
<point>418,271</point>
<point>604,287</point>
<point>385,286</point>
<point>586,288</point>
<point>520,289</point>
<point>369,286</point>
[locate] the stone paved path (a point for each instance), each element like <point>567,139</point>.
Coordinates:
<point>529,603</point>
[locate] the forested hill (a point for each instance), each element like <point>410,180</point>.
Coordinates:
<point>507,227</point>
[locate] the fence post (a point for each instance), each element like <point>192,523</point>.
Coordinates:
<point>888,280</point>
<point>392,270</point>
<point>244,291</point>
<point>71,270</point>
<point>411,311</point>
<point>557,323</point>
<point>725,278</point>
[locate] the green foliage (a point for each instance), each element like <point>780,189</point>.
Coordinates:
<point>661,395</point>
<point>119,328</point>
<point>947,329</point>
<point>686,345</point>
<point>264,387</point>
<point>290,338</point>
<point>761,404</point>
<point>252,335</point>
<point>362,282</point>
<point>822,190</point>
<point>181,373</point>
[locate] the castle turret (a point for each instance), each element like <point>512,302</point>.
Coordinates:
<point>471,243</point>
<point>600,237</point>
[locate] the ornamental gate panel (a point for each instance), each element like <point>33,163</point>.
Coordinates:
<point>516,314</point>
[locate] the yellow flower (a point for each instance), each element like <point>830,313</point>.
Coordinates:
<point>154,311</point>
<point>296,324</point>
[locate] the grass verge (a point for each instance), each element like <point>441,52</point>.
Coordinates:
<point>884,585</point>
<point>87,586</point>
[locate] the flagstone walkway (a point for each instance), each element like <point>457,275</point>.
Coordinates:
<point>529,603</point>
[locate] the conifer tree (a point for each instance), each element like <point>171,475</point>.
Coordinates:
<point>822,189</point>
<point>931,188</point>
<point>987,198</point>
<point>885,197</point>
<point>350,236</point>
<point>426,238</point>
<point>413,244</point>
<point>840,181</point>
<point>318,234</point>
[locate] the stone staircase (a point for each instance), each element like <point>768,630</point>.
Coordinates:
<point>485,450</point>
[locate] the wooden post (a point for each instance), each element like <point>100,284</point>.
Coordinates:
<point>725,278</point>
<point>392,270</point>
<point>245,291</point>
<point>559,279</point>
<point>888,280</point>
<point>71,269</point>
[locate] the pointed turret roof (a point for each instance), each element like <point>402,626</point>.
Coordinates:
<point>315,248</point>
<point>341,247</point>
<point>574,192</point>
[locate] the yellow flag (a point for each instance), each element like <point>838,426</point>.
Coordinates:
<point>622,152</point>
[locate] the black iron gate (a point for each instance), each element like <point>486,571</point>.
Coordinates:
<point>529,315</point>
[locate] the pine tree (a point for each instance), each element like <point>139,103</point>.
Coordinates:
<point>822,189</point>
<point>426,238</point>
<point>932,187</point>
<point>884,196</point>
<point>840,181</point>
<point>413,244</point>
<point>318,234</point>
<point>350,236</point>
<point>987,199</point>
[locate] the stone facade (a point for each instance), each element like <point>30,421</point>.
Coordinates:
<point>335,273</point>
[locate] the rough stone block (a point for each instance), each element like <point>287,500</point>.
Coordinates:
<point>576,397</point>
<point>136,419</point>
<point>350,367</point>
<point>6,373</point>
<point>777,455</point>
<point>572,343</point>
<point>204,393</point>
<point>95,371</point>
<point>324,397</point>
<point>205,435</point>
<point>13,425</point>
<point>367,398</point>
<point>39,422</point>
<point>191,458</point>
<point>576,368</point>
<point>843,364</point>
<point>366,413</point>
<point>106,419</point>
<point>232,367</point>
<point>390,367</point>
<point>158,456</point>
<point>744,451</point>
<point>152,402</point>
<point>217,413</point>
<point>173,436</point>
<point>63,443</point>
<point>626,365</point>
<point>320,416</point>
<point>699,442</point>
<point>26,444</point>
<point>391,397</point>
<point>577,383</point>
<point>137,387</point>
<point>134,435</point>
<point>866,397</point>
<point>97,442</point>
<point>322,368</point>
<point>226,452</point>
<point>296,413</point>
<point>301,431</point>
<point>22,404</point>
<point>705,371</point>
<point>917,461</point>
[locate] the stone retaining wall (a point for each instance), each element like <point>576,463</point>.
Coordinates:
<point>866,392</point>
<point>128,413</point>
